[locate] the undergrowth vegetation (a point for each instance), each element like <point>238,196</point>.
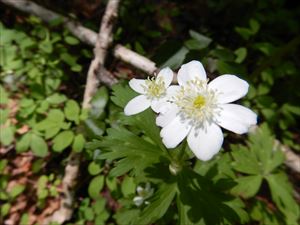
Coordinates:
<point>126,174</point>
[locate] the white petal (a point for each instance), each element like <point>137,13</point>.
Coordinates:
<point>167,75</point>
<point>165,118</point>
<point>230,87</point>
<point>236,118</point>
<point>138,200</point>
<point>191,71</point>
<point>205,143</point>
<point>159,105</point>
<point>173,90</point>
<point>162,105</point>
<point>174,132</point>
<point>138,85</point>
<point>137,105</point>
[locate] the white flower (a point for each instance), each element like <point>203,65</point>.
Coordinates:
<point>198,110</point>
<point>143,194</point>
<point>153,93</point>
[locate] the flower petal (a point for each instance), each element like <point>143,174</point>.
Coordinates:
<point>164,119</point>
<point>138,85</point>
<point>173,90</point>
<point>137,105</point>
<point>236,118</point>
<point>138,200</point>
<point>167,75</point>
<point>205,143</point>
<point>191,71</point>
<point>174,132</point>
<point>230,87</point>
<point>160,105</point>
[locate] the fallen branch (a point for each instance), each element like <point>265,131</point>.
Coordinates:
<point>96,70</point>
<point>103,41</point>
<point>84,34</point>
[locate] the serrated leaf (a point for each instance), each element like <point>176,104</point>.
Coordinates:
<point>62,140</point>
<point>159,204</point>
<point>72,111</point>
<point>38,146</point>
<point>122,93</point>
<point>198,196</point>
<point>247,186</point>
<point>245,161</point>
<point>281,191</point>
<point>96,186</point>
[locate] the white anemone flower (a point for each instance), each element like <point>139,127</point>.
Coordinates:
<point>143,194</point>
<point>153,93</point>
<point>199,109</point>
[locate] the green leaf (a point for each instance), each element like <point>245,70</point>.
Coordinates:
<point>254,25</point>
<point>94,168</point>
<point>203,41</point>
<point>3,96</point>
<point>96,186</point>
<point>122,94</point>
<point>159,204</point>
<point>69,59</point>
<point>133,151</point>
<point>245,161</point>
<point>56,99</point>
<point>4,114</point>
<point>99,102</point>
<point>177,59</point>
<point>88,213</point>
<point>128,186</point>
<point>6,135</point>
<point>72,111</point>
<point>99,205</point>
<point>62,140</point>
<point>241,54</point>
<point>78,143</point>
<point>248,186</point>
<point>71,40</point>
<point>5,209</point>
<point>38,146</point>
<point>16,190</point>
<point>24,143</point>
<point>261,156</point>
<point>282,195</point>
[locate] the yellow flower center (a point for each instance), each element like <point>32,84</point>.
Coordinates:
<point>155,87</point>
<point>199,102</point>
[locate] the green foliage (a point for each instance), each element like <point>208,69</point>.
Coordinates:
<point>124,162</point>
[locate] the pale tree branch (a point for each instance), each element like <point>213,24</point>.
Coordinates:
<point>96,70</point>
<point>84,34</point>
<point>103,41</point>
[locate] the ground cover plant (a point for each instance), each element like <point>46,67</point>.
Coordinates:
<point>192,116</point>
